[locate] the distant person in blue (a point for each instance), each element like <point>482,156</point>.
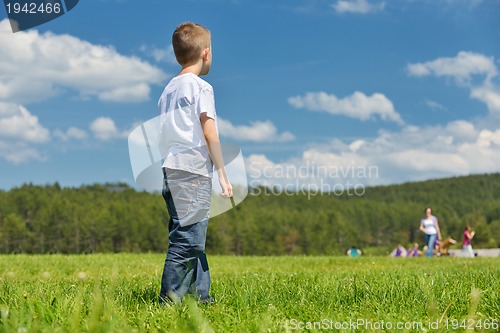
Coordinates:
<point>354,252</point>
<point>430,227</point>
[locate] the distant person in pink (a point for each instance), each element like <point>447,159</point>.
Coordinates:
<point>466,246</point>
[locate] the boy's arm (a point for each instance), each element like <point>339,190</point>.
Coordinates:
<point>215,150</point>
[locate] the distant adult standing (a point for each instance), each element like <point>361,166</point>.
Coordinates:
<point>430,226</point>
<point>466,246</point>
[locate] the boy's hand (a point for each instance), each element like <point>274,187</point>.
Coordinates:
<point>227,188</point>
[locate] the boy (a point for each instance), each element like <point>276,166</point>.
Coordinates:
<point>190,146</point>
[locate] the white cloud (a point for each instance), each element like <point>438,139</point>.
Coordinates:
<point>258,131</point>
<point>17,123</point>
<point>19,131</point>
<point>133,93</point>
<point>358,105</point>
<point>462,130</point>
<point>433,105</point>
<point>104,129</point>
<point>38,66</point>
<point>462,67</point>
<point>356,145</point>
<point>22,135</point>
<point>410,154</point>
<point>357,6</point>
<point>71,133</point>
<point>19,152</point>
<point>160,54</point>
<point>489,94</point>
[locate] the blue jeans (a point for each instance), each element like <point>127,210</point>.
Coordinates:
<point>468,250</point>
<point>187,197</point>
<point>430,240</point>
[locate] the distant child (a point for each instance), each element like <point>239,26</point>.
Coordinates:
<point>354,252</point>
<point>399,251</point>
<point>190,147</point>
<point>437,247</point>
<point>414,252</point>
<point>466,245</point>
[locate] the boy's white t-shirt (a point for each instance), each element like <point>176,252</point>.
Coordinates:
<point>181,140</point>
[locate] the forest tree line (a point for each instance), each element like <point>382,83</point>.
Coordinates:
<point>117,218</point>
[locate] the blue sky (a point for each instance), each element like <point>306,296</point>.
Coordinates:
<point>409,87</point>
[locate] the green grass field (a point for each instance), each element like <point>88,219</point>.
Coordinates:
<point>117,293</point>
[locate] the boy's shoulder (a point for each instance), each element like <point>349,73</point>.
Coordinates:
<point>189,80</point>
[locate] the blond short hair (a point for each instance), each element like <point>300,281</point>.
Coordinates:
<point>189,40</point>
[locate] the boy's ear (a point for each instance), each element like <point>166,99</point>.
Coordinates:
<point>204,54</point>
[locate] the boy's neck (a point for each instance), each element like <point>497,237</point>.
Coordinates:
<point>194,69</point>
